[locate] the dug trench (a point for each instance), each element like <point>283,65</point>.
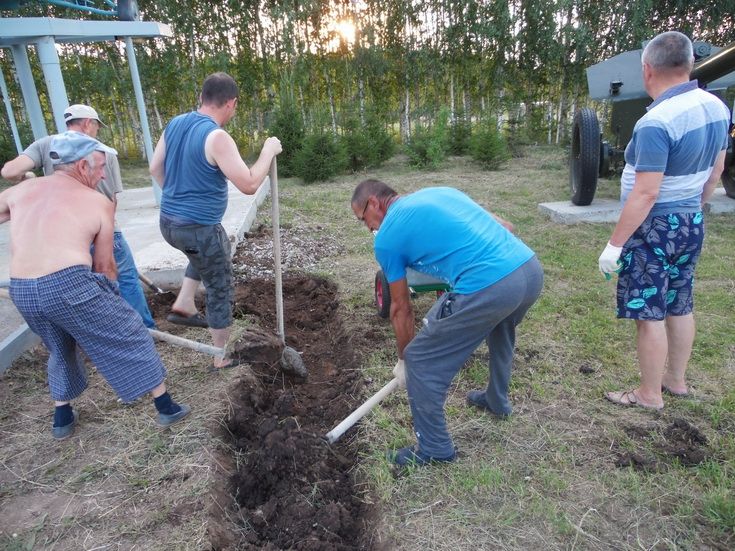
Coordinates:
<point>288,488</point>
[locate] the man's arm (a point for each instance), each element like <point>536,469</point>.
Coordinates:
<point>503,222</point>
<point>103,261</point>
<point>401,314</point>
<point>15,170</point>
<point>4,206</point>
<point>157,168</point>
<point>222,150</point>
<point>714,177</point>
<point>640,200</point>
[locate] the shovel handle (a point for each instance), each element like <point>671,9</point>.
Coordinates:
<point>186,343</point>
<point>275,216</point>
<point>334,434</point>
<point>149,282</point>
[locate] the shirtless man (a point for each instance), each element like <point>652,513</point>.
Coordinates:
<point>69,297</point>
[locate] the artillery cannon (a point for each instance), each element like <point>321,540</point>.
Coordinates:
<point>619,80</point>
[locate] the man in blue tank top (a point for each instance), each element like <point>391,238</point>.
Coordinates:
<point>192,163</point>
<point>494,276</point>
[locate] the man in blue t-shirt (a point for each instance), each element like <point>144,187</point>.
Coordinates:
<point>192,162</point>
<point>672,164</point>
<point>494,277</point>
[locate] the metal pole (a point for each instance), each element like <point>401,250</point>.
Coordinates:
<point>49,58</point>
<point>11,115</point>
<point>138,88</point>
<point>28,89</point>
<point>273,176</point>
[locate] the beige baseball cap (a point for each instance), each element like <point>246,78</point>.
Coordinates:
<point>80,111</point>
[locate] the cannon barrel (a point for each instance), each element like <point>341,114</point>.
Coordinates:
<point>716,66</point>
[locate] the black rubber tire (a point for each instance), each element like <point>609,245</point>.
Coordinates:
<point>127,10</point>
<point>584,159</point>
<point>382,295</point>
<point>728,175</point>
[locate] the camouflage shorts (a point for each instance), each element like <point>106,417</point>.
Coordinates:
<point>208,251</point>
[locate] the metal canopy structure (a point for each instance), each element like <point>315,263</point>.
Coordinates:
<point>44,33</point>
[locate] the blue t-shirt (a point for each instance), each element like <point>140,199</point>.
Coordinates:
<point>681,135</point>
<point>443,233</point>
<point>194,190</point>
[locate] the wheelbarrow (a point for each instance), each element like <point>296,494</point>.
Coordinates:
<point>417,283</point>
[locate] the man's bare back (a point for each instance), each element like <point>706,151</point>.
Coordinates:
<point>53,222</point>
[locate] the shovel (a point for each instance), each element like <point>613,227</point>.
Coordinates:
<point>155,288</point>
<point>290,359</point>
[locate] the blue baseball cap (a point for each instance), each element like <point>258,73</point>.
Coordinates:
<point>71,146</point>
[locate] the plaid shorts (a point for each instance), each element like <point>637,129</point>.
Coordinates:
<point>76,306</point>
<point>659,259</point>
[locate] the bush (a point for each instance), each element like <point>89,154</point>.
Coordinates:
<point>366,146</point>
<point>459,136</point>
<point>428,147</point>
<point>320,158</point>
<point>289,128</point>
<point>488,147</point>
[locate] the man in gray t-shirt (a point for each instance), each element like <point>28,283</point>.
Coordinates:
<point>84,119</point>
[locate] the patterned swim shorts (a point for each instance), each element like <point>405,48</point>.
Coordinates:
<point>658,267</point>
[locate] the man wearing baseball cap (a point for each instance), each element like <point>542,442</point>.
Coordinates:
<point>84,119</point>
<point>68,295</point>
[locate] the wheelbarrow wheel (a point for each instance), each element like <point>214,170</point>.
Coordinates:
<point>382,295</point>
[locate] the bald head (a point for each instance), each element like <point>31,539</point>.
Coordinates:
<point>669,52</point>
<point>371,188</point>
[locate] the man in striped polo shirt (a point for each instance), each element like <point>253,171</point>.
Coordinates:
<point>672,164</point>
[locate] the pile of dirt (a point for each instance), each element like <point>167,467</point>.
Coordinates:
<point>678,441</point>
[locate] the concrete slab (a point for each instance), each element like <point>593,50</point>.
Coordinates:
<point>608,210</point>
<point>137,215</point>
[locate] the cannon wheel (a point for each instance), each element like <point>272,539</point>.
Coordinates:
<point>127,10</point>
<point>728,175</point>
<point>382,294</point>
<point>584,161</point>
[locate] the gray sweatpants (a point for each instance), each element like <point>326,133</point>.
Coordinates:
<point>455,326</point>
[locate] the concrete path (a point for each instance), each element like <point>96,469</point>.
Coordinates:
<point>137,215</point>
<point>608,210</point>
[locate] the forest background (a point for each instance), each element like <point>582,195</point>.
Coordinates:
<point>345,83</point>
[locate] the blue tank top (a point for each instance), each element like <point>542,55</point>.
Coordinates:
<point>194,189</point>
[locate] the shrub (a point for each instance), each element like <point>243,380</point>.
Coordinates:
<point>288,127</point>
<point>366,146</point>
<point>488,147</point>
<point>428,147</point>
<point>459,136</point>
<point>320,158</point>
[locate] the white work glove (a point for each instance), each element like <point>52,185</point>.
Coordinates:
<point>610,259</point>
<point>399,372</point>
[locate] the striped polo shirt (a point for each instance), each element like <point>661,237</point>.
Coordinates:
<point>681,135</point>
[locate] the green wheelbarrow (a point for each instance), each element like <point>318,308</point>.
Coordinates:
<point>417,283</point>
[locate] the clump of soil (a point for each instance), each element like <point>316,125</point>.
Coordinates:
<point>679,441</point>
